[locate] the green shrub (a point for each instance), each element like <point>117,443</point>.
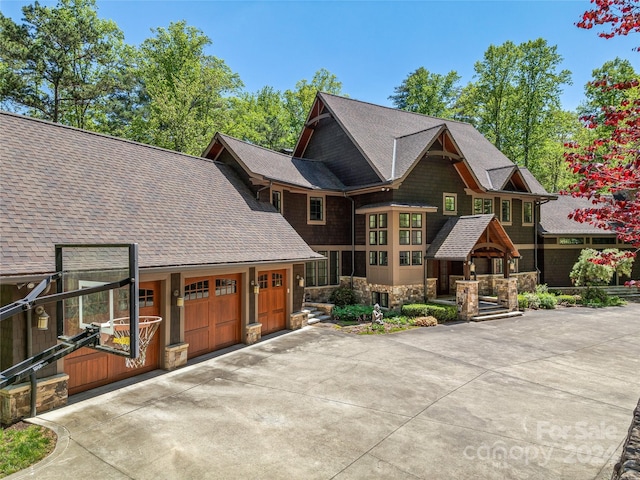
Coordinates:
<point>353,313</point>
<point>542,288</point>
<point>523,301</point>
<point>595,296</point>
<point>566,300</point>
<point>342,296</point>
<point>547,300</point>
<point>533,301</point>
<point>443,313</point>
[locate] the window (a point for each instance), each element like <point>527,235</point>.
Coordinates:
<point>416,237</point>
<point>404,220</point>
<point>571,241</point>
<point>316,210</point>
<point>263,280</point>
<point>505,211</point>
<point>416,257</point>
<point>323,272</point>
<point>450,202</point>
<point>383,259</point>
<point>381,298</point>
<point>276,200</point>
<point>225,286</point>
<point>196,290</point>
<point>405,237</point>
<point>498,265</point>
<point>382,220</point>
<point>145,297</point>
<point>373,221</point>
<point>377,235</point>
<point>527,213</point>
<point>416,220</point>
<point>404,258</point>
<point>603,241</point>
<point>382,237</point>
<point>482,205</point>
<point>373,258</point>
<point>276,279</point>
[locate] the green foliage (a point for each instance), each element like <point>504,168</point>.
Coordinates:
<point>62,64</point>
<point>533,300</point>
<point>594,295</point>
<point>443,313</point>
<point>343,296</point>
<point>186,88</point>
<point>547,300</point>
<point>428,93</point>
<point>523,301</point>
<point>586,272</point>
<point>20,448</point>
<point>353,313</point>
<point>542,288</point>
<point>567,300</point>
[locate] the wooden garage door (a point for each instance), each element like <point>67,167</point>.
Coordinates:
<point>88,368</point>
<point>272,300</point>
<point>212,313</point>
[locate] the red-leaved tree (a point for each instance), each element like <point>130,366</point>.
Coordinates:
<point>609,167</point>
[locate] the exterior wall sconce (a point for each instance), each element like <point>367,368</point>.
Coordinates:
<point>256,287</point>
<point>179,299</point>
<point>300,280</point>
<point>472,267</point>
<point>512,265</point>
<point>43,318</point>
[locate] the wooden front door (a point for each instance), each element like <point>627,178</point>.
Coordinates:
<point>272,301</point>
<point>444,269</point>
<point>88,368</point>
<point>212,313</point>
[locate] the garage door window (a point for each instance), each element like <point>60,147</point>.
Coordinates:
<point>225,286</point>
<point>196,290</point>
<point>145,297</point>
<point>276,279</point>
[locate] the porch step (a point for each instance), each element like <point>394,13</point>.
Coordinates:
<point>495,315</point>
<point>315,316</point>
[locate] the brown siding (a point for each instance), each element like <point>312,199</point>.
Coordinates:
<point>336,231</point>
<point>331,145</point>
<point>516,231</point>
<point>361,264</point>
<point>298,292</point>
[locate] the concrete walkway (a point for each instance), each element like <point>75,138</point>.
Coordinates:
<point>544,396</point>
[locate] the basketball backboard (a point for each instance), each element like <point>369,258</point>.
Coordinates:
<point>109,273</point>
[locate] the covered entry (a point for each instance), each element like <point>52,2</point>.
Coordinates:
<point>272,300</point>
<point>89,368</point>
<point>212,313</point>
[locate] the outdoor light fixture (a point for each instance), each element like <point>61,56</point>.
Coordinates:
<point>43,318</point>
<point>179,299</point>
<point>472,267</point>
<point>300,280</point>
<point>256,287</point>
<point>512,265</point>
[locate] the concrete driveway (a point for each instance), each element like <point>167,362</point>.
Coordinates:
<point>546,396</point>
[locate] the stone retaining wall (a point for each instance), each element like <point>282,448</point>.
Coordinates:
<point>15,400</point>
<point>628,468</point>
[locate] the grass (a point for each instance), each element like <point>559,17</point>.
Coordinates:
<point>22,445</point>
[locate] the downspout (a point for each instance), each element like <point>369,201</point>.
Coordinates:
<point>353,238</point>
<point>535,237</point>
<point>32,376</point>
<point>393,160</point>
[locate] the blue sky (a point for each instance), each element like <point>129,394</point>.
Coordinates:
<point>371,46</point>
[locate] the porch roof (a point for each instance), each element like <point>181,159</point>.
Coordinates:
<point>472,235</point>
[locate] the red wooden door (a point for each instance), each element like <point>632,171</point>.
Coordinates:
<point>212,313</point>
<point>272,301</point>
<point>88,368</point>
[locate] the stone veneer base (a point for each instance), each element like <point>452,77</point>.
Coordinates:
<point>175,356</point>
<point>15,400</point>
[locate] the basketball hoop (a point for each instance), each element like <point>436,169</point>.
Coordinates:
<point>122,335</point>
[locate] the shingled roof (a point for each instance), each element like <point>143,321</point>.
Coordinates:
<point>457,238</point>
<point>554,218</point>
<point>64,185</point>
<point>280,167</point>
<point>375,129</point>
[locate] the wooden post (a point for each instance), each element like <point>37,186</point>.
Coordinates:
<point>506,267</point>
<point>466,270</point>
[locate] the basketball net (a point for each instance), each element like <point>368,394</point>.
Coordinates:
<point>147,327</point>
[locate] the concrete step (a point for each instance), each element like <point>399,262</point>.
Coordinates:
<point>315,316</point>
<point>496,316</point>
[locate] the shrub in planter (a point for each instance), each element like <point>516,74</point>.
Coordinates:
<point>342,296</point>
<point>353,313</point>
<point>547,300</point>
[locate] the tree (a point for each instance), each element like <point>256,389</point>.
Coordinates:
<point>609,165</point>
<point>60,63</point>
<point>590,271</point>
<point>298,102</point>
<point>186,88</point>
<point>428,93</point>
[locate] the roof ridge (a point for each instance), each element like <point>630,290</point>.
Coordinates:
<point>254,145</point>
<point>394,109</point>
<point>422,131</point>
<point>102,135</point>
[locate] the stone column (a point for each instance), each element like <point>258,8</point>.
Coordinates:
<point>467,299</point>
<point>507,290</point>
<point>253,333</point>
<point>297,320</point>
<point>431,288</point>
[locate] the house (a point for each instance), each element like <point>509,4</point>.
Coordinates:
<point>383,194</point>
<point>197,224</point>
<point>562,239</point>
